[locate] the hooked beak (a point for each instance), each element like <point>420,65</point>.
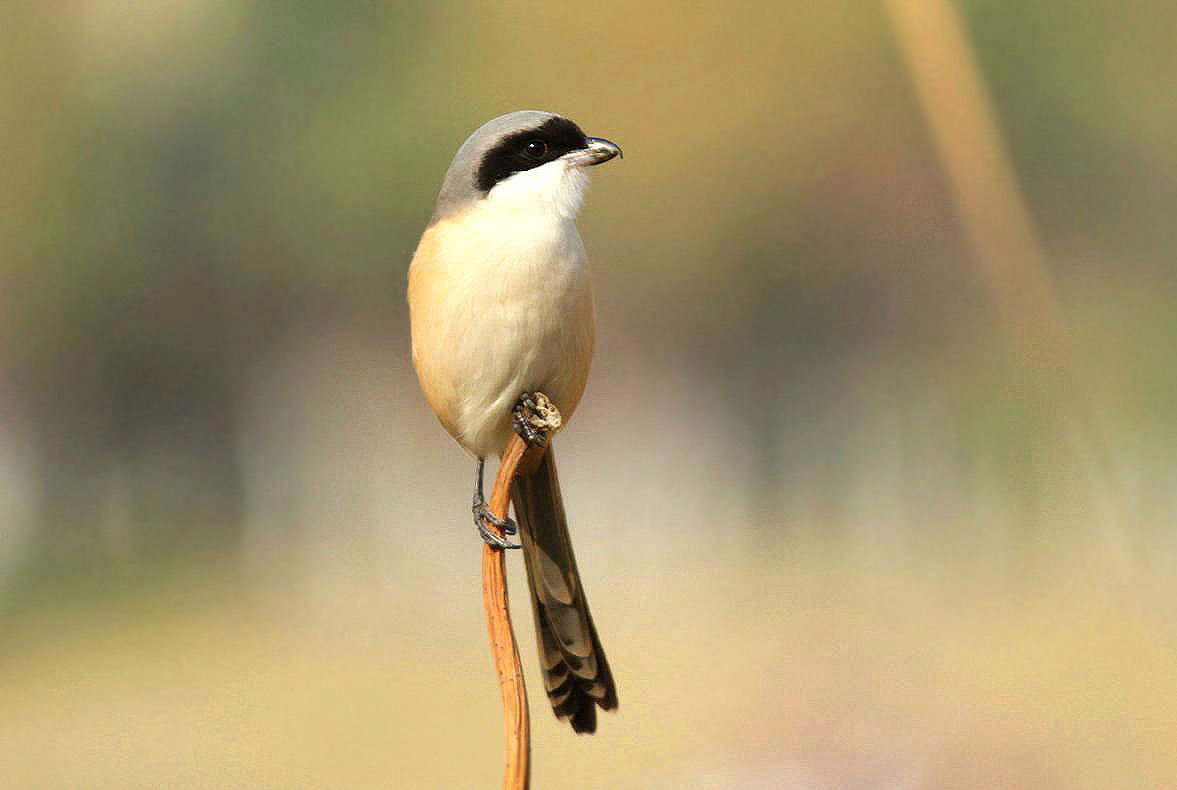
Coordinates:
<point>596,151</point>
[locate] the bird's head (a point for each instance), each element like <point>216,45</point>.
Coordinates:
<point>526,161</point>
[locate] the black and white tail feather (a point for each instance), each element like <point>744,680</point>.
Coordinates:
<point>576,674</point>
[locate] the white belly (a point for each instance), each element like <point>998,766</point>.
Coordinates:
<point>499,306</point>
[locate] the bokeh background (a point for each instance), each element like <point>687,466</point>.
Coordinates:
<point>874,484</point>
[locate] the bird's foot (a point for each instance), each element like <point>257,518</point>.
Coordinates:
<point>484,520</point>
<point>535,418</point>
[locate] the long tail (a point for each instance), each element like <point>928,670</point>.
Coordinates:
<point>576,674</point>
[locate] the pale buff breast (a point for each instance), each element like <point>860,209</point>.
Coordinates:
<point>500,304</point>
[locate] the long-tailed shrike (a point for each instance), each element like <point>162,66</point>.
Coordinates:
<point>501,307</point>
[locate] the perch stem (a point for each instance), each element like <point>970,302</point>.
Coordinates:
<point>518,458</point>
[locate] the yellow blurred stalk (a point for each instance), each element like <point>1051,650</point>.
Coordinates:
<point>1004,241</point>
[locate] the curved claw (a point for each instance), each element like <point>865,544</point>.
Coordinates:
<point>492,538</point>
<point>482,515</point>
<point>484,519</point>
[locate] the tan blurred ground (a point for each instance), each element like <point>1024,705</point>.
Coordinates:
<point>779,673</point>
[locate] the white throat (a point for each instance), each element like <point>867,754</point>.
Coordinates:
<point>555,189</point>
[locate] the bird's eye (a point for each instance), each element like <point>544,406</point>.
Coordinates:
<point>536,149</point>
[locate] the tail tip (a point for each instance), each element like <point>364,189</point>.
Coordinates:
<point>584,721</point>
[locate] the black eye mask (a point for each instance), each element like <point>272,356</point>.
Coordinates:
<point>528,149</point>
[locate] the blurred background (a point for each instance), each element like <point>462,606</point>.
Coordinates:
<point>874,484</point>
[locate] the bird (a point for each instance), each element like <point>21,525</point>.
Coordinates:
<point>501,308</point>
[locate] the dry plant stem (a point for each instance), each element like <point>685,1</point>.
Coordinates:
<point>517,775</point>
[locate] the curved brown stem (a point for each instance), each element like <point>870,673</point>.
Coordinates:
<point>517,775</point>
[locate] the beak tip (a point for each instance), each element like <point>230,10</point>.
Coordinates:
<point>602,150</point>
